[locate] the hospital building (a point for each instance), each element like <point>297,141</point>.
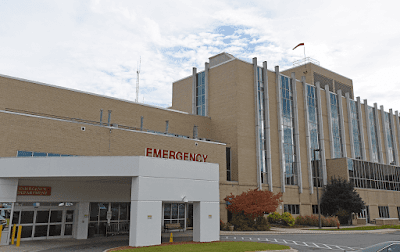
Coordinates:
<point>73,164</point>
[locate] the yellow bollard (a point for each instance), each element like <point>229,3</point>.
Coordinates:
<point>171,239</point>
<point>1,230</point>
<point>19,235</point>
<point>13,234</point>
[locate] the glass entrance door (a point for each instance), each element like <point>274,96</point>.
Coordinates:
<point>117,212</point>
<point>365,214</point>
<point>50,220</point>
<point>175,213</point>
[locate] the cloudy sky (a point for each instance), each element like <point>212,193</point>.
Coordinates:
<point>95,45</point>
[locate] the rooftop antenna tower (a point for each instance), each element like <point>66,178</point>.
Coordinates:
<point>137,80</point>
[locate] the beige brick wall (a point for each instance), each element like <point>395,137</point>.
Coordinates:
<point>44,135</point>
<point>231,120</point>
<point>182,94</point>
<point>21,95</point>
<point>308,70</point>
<point>337,168</point>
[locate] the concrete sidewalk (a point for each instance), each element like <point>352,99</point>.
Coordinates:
<point>56,244</point>
<point>71,244</point>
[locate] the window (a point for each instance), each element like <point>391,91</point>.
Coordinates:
<point>356,130</point>
<point>289,145</point>
<point>398,212</point>
<point>261,131</point>
<point>293,209</point>
<point>201,94</point>
<point>365,174</point>
<point>336,132</point>
<point>314,134</point>
<point>315,209</point>
<point>39,154</point>
<point>228,164</point>
<point>389,137</point>
<point>383,211</point>
<point>374,135</point>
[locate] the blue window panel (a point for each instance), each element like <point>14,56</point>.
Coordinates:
<point>53,155</point>
<point>203,110</point>
<point>199,110</point>
<point>40,154</point>
<point>24,154</point>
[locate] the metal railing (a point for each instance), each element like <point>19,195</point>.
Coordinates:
<point>305,61</point>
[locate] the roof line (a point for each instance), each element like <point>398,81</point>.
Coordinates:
<point>110,127</point>
<point>90,93</point>
<point>320,67</point>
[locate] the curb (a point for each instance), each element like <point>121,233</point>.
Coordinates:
<point>302,231</point>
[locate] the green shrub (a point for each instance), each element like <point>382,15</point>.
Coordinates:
<point>313,221</point>
<point>242,222</point>
<point>274,217</point>
<point>287,219</point>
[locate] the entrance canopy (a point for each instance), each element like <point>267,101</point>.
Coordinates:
<point>146,182</point>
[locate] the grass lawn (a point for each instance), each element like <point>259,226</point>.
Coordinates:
<point>366,228</point>
<point>211,246</point>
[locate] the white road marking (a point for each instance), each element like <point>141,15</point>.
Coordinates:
<point>315,245</point>
<point>299,243</point>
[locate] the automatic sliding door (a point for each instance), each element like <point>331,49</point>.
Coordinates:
<point>119,214</point>
<point>41,223</point>
<point>174,213</point>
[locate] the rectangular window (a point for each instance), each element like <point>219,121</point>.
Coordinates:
<point>365,174</point>
<point>24,154</point>
<point>200,94</point>
<point>336,131</point>
<point>312,110</point>
<point>39,154</point>
<point>228,164</point>
<point>261,131</point>
<point>289,144</point>
<point>374,135</point>
<point>383,211</point>
<point>356,130</point>
<point>389,137</point>
<point>293,209</point>
<point>315,209</point>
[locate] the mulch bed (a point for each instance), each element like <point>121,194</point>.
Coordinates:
<point>162,244</point>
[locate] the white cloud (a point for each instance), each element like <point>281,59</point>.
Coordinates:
<point>94,46</point>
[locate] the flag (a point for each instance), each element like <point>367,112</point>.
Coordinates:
<point>301,44</point>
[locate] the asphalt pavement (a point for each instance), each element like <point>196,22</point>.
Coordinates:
<point>300,239</point>
<point>305,241</point>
